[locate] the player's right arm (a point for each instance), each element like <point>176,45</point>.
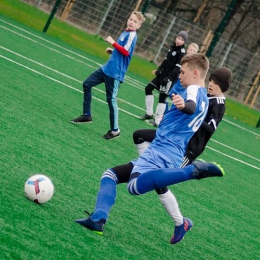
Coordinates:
<point>187,107</point>
<point>117,46</point>
<point>215,114</point>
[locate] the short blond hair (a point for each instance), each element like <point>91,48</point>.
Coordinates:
<point>139,16</point>
<point>195,46</point>
<point>197,61</point>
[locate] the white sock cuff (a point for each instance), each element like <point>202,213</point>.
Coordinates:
<point>142,147</point>
<point>149,101</point>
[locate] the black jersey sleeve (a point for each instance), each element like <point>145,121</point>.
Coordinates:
<point>214,115</point>
<point>208,128</point>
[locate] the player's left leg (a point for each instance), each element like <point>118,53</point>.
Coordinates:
<point>160,109</point>
<point>93,80</point>
<point>142,139</point>
<point>106,197</point>
<point>159,178</point>
<point>112,87</point>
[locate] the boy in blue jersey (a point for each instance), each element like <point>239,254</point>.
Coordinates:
<point>219,82</point>
<point>170,89</point>
<point>158,166</point>
<point>112,74</point>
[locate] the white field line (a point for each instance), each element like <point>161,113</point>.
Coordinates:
<point>233,158</point>
<point>59,82</point>
<point>227,146</point>
<point>65,75</point>
<point>132,80</point>
<point>68,86</point>
<point>129,80</point>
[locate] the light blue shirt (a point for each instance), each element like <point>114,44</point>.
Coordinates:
<point>117,64</point>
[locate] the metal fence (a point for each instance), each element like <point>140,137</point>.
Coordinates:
<point>103,18</point>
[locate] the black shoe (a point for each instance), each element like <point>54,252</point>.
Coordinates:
<point>95,226</point>
<point>144,117</point>
<point>205,170</point>
<point>151,122</point>
<point>111,134</point>
<point>82,120</point>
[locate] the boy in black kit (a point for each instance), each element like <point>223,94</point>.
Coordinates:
<point>166,75</point>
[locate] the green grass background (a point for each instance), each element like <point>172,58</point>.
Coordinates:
<point>36,137</point>
<point>95,46</point>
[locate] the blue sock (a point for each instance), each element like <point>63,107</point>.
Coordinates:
<point>161,178</point>
<point>105,199</point>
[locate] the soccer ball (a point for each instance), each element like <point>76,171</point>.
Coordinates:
<point>39,188</point>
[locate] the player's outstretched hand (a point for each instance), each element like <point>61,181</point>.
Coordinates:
<point>110,40</point>
<point>178,101</point>
<point>109,50</point>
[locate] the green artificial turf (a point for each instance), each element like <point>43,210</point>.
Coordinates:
<point>95,46</point>
<point>41,90</point>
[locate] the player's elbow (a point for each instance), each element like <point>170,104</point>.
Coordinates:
<point>189,108</point>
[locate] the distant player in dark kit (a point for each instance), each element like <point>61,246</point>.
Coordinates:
<point>112,74</point>
<point>166,75</point>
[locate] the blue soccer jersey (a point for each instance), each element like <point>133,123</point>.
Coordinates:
<point>177,89</point>
<point>173,134</point>
<point>117,65</point>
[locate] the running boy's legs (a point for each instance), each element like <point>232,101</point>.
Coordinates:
<point>149,98</point>
<point>142,139</point>
<point>149,180</point>
<point>112,87</point>
<point>160,109</point>
<point>106,196</point>
<point>93,80</point>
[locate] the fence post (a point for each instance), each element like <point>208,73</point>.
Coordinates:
<point>67,9</point>
<point>258,123</point>
<point>226,54</point>
<point>145,6</point>
<point>104,17</point>
<point>164,39</point>
<point>252,88</point>
<point>255,96</point>
<point>218,32</point>
<point>55,7</point>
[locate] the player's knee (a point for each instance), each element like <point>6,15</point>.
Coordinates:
<point>86,87</point>
<point>149,89</point>
<point>132,184</point>
<point>162,98</point>
<point>137,138</point>
<point>110,174</point>
<point>161,190</point>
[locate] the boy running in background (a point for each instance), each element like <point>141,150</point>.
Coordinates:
<point>112,74</point>
<point>166,75</point>
<point>177,88</point>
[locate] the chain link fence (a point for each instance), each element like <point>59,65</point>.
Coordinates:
<point>103,18</point>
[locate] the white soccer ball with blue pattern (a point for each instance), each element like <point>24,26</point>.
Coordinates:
<point>39,188</point>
